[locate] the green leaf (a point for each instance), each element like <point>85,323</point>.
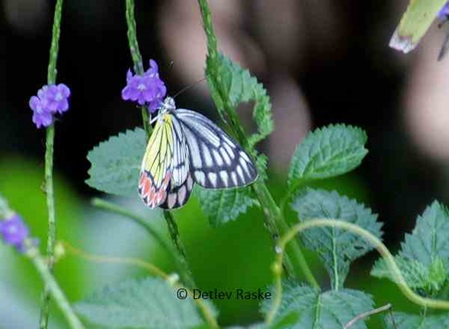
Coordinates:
<point>222,206</point>
<point>412,321</point>
<point>328,152</point>
<point>303,307</point>
<point>418,277</point>
<point>337,248</point>
<point>414,23</point>
<point>424,256</point>
<point>148,303</point>
<point>430,237</point>
<point>115,163</point>
<point>237,85</point>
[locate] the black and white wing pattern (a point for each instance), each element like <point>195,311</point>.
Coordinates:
<point>177,196</point>
<point>215,160</point>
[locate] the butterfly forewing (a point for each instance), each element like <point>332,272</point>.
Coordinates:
<point>165,163</point>
<point>216,161</point>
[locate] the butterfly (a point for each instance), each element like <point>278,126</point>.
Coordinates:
<point>187,148</point>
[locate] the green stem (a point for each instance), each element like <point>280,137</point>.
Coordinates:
<point>53,288</point>
<point>138,67</point>
<point>51,236</point>
<point>274,218</point>
<point>372,239</point>
<point>136,56</point>
<point>182,259</point>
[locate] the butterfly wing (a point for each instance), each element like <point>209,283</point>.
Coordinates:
<point>216,161</point>
<point>178,195</point>
<point>165,163</point>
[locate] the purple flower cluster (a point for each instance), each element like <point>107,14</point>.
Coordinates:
<point>50,99</point>
<point>14,232</point>
<point>443,14</point>
<point>147,89</point>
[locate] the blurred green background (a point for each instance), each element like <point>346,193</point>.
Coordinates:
<point>324,62</point>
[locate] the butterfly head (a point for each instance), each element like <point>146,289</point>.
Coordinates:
<point>168,105</point>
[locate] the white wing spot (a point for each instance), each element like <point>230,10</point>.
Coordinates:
<point>226,157</point>
<point>245,156</point>
<point>182,194</point>
<point>213,178</point>
<point>234,178</point>
<point>217,158</point>
<point>240,173</point>
<point>245,166</point>
<point>200,177</point>
<point>224,177</point>
<point>229,150</point>
<point>171,200</point>
<point>207,156</point>
<point>189,183</point>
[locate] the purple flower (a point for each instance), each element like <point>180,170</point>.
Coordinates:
<point>50,99</point>
<point>13,231</point>
<point>147,89</point>
<point>443,14</point>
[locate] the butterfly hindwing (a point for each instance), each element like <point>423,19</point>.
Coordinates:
<point>178,195</point>
<point>216,161</point>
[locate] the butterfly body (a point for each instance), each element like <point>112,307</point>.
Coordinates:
<point>186,148</point>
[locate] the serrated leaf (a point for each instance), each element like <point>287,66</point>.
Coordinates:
<point>430,237</point>
<point>303,307</point>
<point>328,152</point>
<point>418,277</point>
<point>115,163</point>
<point>140,304</point>
<point>237,85</point>
<point>414,23</point>
<point>424,256</point>
<point>222,206</point>
<point>412,321</point>
<point>337,248</point>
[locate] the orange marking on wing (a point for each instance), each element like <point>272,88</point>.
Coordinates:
<point>152,195</point>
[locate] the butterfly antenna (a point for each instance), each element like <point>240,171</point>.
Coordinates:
<point>444,47</point>
<point>189,87</point>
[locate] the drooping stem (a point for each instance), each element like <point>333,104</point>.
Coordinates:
<point>207,313</point>
<point>116,209</point>
<point>50,137</point>
<point>369,237</point>
<point>52,285</point>
<point>179,258</point>
<point>138,67</point>
<point>274,219</point>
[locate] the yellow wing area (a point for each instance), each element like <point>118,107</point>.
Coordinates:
<point>155,173</point>
<point>159,152</point>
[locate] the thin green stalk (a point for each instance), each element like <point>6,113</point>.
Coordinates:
<point>207,313</point>
<point>50,137</point>
<point>182,259</point>
<point>138,67</point>
<point>179,260</point>
<point>372,239</point>
<point>113,208</point>
<point>52,285</point>
<point>274,218</point>
<point>135,55</point>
